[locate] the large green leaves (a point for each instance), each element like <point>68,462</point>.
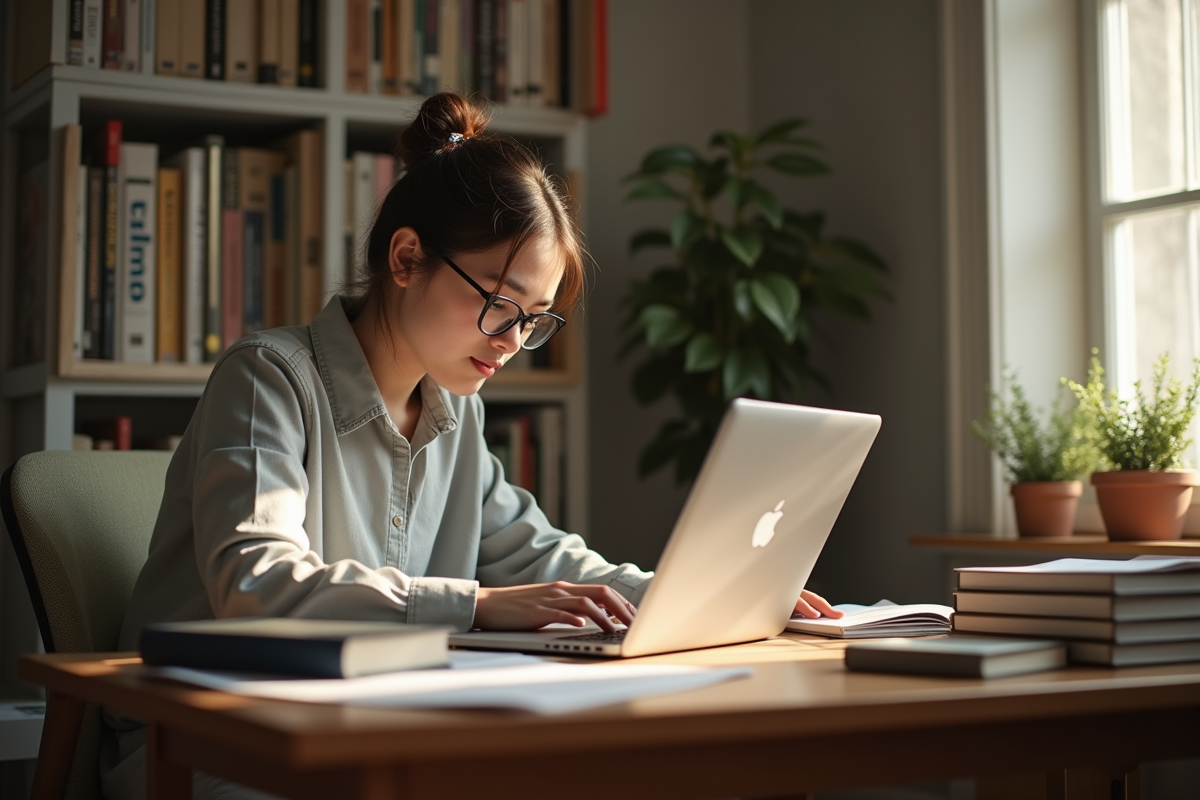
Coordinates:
<point>745,243</point>
<point>746,372</point>
<point>703,353</point>
<point>665,325</point>
<point>734,314</point>
<point>778,298</point>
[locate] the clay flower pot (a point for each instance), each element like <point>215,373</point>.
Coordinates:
<point>1046,508</point>
<point>1141,505</point>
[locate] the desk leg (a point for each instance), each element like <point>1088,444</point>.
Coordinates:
<point>164,780</point>
<point>60,729</point>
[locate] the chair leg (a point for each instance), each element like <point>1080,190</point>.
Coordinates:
<point>60,729</point>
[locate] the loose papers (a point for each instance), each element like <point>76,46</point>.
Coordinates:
<point>476,680</point>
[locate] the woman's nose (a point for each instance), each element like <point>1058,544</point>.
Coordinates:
<point>508,341</point>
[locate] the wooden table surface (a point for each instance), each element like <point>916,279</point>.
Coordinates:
<point>801,722</point>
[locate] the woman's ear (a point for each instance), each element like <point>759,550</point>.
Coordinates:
<point>403,252</point>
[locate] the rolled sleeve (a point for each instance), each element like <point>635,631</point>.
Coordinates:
<point>442,601</point>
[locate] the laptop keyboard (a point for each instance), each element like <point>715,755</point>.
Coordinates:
<point>604,637</point>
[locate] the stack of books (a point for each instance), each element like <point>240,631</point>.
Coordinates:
<point>1113,613</point>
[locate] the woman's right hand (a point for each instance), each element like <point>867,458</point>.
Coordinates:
<point>522,608</point>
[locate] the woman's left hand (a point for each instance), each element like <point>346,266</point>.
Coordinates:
<point>813,605</point>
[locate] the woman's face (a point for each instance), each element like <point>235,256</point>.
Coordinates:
<point>439,311</point>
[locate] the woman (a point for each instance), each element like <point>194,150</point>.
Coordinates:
<point>339,469</point>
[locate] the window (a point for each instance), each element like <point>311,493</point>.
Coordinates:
<point>1150,209</point>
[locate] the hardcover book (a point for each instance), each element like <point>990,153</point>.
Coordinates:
<point>1143,575</point>
<point>309,647</point>
<point>963,656</point>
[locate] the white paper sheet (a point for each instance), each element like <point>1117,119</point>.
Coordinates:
<point>476,680</point>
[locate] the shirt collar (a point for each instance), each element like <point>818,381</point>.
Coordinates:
<point>354,397</point>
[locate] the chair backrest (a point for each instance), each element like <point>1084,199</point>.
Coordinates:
<point>80,522</point>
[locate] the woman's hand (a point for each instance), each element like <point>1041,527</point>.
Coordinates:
<point>520,608</point>
<point>813,605</point>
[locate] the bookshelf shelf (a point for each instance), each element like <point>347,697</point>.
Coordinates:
<point>1078,545</point>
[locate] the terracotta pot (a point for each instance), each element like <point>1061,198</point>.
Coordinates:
<point>1046,508</point>
<point>1141,505</point>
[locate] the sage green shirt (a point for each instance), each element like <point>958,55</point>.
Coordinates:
<point>292,493</point>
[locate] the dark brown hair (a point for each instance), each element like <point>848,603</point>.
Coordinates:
<point>465,193</point>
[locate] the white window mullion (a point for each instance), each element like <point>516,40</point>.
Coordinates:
<point>1117,166</point>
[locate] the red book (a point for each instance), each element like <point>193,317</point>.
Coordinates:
<point>232,266</point>
<point>600,66</point>
<point>114,34</point>
<point>117,430</point>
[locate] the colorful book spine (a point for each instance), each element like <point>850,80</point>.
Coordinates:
<point>518,76</point>
<point>192,47</point>
<point>93,33</point>
<point>169,330</point>
<point>109,160</point>
<point>388,32</point>
<point>466,45</point>
<point>114,32</point>
<point>268,41</point>
<point>431,70</point>
<point>275,288</point>
<point>93,295</point>
<point>500,52</point>
<point>254,199</point>
<point>75,33</point>
<point>406,70</point>
<point>138,271</point>
<point>191,164</point>
<point>289,41</point>
<point>131,50</point>
<point>232,243</point>
<point>448,31</point>
<point>241,42</point>
<point>304,151</point>
<point>214,147</point>
<point>307,53</point>
<point>167,37</point>
<point>214,40</point>
<point>485,43</point>
<point>375,47</point>
<point>149,26</point>
<point>357,35</point>
<point>80,342</point>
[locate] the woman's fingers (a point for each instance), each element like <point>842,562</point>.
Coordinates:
<point>533,606</point>
<point>816,604</point>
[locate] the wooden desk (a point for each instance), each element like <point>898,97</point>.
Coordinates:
<point>801,723</point>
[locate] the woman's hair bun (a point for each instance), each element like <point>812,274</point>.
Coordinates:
<point>432,132</point>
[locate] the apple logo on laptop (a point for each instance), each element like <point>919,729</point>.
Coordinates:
<point>764,531</point>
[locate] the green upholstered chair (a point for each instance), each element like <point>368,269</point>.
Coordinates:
<point>80,523</point>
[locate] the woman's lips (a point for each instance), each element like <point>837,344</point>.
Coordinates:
<point>486,368</point>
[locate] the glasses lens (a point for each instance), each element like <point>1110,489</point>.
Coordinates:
<point>501,313</point>
<point>538,331</point>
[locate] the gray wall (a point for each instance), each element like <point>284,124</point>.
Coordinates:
<point>866,73</point>
<point>679,69</point>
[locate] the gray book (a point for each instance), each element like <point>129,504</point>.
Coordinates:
<point>1129,655</point>
<point>1103,630</point>
<point>964,656</point>
<point>1083,606</point>
<point>1142,575</point>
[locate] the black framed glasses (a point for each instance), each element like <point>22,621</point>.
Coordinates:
<point>501,313</point>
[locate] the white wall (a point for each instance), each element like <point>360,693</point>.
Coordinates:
<point>865,72</point>
<point>679,69</point>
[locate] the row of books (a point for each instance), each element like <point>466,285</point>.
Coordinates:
<point>245,41</point>
<point>116,433</point>
<point>528,442</point>
<point>1113,613</point>
<point>520,52</point>
<point>178,257</point>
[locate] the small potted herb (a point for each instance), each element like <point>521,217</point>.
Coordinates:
<point>1044,462</point>
<point>1145,490</point>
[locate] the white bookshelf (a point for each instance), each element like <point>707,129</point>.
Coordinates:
<point>39,403</point>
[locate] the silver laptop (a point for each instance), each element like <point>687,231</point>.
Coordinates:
<point>745,543</point>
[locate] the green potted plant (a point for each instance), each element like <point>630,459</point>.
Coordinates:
<point>1044,462</point>
<point>734,314</point>
<point>1145,491</point>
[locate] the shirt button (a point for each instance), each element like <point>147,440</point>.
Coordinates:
<point>397,520</point>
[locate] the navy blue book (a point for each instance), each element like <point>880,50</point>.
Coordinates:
<point>313,648</point>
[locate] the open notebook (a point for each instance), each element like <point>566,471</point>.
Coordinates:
<point>885,618</point>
